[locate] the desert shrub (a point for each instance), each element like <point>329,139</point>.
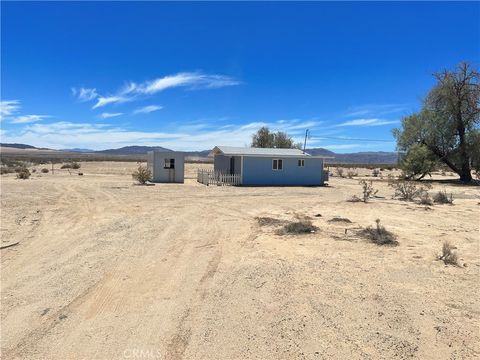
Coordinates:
<point>340,219</point>
<point>442,197</point>
<point>375,172</point>
<point>339,172</point>
<point>425,199</point>
<point>298,227</point>
<point>379,235</point>
<point>34,171</point>
<point>23,174</point>
<point>75,165</point>
<point>268,221</point>
<point>351,174</point>
<point>355,198</point>
<point>408,190</point>
<point>448,256</point>
<point>66,166</point>
<point>45,170</point>
<point>368,190</point>
<point>142,174</point>
<point>6,170</point>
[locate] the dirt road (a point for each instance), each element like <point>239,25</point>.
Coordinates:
<point>109,270</point>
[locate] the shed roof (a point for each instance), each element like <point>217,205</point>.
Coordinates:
<point>259,152</point>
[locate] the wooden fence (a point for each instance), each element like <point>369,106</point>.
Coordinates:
<point>210,177</point>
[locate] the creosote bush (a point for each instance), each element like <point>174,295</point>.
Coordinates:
<point>23,174</point>
<point>375,172</point>
<point>71,165</point>
<point>408,190</point>
<point>425,199</point>
<point>442,198</point>
<point>368,190</point>
<point>339,172</point>
<point>142,175</point>
<point>379,235</point>
<point>45,170</point>
<point>449,257</point>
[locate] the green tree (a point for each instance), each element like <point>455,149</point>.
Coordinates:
<point>263,138</point>
<point>418,162</point>
<point>448,122</point>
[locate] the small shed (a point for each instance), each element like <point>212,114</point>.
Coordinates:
<point>270,166</point>
<point>166,166</point>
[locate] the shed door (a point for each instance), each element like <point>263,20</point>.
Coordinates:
<point>232,165</point>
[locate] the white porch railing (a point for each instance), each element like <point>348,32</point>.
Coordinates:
<point>210,177</point>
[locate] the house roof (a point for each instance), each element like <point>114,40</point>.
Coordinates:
<point>259,152</point>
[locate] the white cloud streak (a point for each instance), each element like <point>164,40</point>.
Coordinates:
<point>8,108</point>
<point>189,80</point>
<point>24,119</point>
<point>368,122</point>
<point>85,94</point>
<point>107,115</point>
<point>147,109</point>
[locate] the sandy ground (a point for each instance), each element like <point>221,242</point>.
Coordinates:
<point>109,270</point>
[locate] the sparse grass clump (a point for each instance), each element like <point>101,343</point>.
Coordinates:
<point>354,199</point>
<point>142,175</point>
<point>23,174</point>
<point>379,235</point>
<point>299,227</point>
<point>408,190</point>
<point>45,170</point>
<point>368,190</point>
<point>448,256</point>
<point>442,198</point>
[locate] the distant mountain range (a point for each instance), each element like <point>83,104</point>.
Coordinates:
<point>373,157</point>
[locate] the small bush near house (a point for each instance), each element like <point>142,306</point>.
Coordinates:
<point>442,198</point>
<point>368,190</point>
<point>142,175</point>
<point>23,174</point>
<point>339,172</point>
<point>408,190</point>
<point>449,257</point>
<point>379,235</point>
<point>45,170</point>
<point>298,227</point>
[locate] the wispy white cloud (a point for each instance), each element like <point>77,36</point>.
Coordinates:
<point>24,119</point>
<point>102,101</point>
<point>147,109</point>
<point>374,110</point>
<point>189,80</point>
<point>8,108</point>
<point>368,122</point>
<point>84,94</point>
<point>107,115</point>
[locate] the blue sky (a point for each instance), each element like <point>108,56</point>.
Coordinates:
<point>189,76</point>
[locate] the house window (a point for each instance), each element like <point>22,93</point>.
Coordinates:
<point>277,164</point>
<point>169,164</point>
<point>301,162</point>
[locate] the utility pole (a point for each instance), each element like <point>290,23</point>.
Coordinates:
<point>305,141</point>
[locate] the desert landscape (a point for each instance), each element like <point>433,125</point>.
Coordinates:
<point>106,269</point>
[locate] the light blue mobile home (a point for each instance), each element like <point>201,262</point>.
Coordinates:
<point>270,167</point>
